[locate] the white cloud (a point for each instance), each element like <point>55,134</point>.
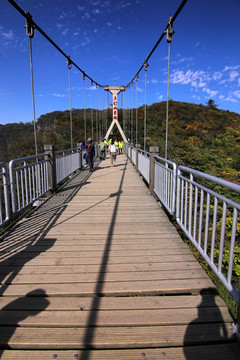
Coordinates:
<point>210,92</point>
<point>233,75</point>
<point>217,75</point>
<point>86,41</point>
<point>65,31</point>
<point>86,16</point>
<point>96,11</point>
<point>194,78</point>
<point>9,35</point>
<point>58,95</point>
<point>231,99</point>
<point>235,67</point>
<point>237,93</point>
<point>80,8</point>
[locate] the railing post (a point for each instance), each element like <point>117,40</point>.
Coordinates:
<point>154,150</point>
<point>137,150</point>
<point>49,150</point>
<point>79,149</point>
<point>131,146</point>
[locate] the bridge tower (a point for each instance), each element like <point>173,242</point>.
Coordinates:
<point>115,90</point>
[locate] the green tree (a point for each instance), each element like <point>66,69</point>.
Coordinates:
<point>211,103</point>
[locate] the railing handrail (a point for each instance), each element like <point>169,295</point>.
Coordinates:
<point>26,158</point>
<point>174,165</point>
<point>212,178</point>
<point>71,150</point>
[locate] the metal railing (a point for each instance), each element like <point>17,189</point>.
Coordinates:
<point>144,164</point>
<point>4,195</point>
<point>206,209</point>
<point>134,154</point>
<point>165,179</point>
<point>28,180</point>
<point>67,161</point>
<point>210,220</point>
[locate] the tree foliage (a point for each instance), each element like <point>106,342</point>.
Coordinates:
<point>201,137</point>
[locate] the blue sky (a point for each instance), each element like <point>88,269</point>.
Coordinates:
<point>109,40</point>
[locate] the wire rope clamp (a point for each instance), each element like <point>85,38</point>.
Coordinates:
<point>169,31</point>
<point>69,62</point>
<point>146,65</point>
<point>29,24</point>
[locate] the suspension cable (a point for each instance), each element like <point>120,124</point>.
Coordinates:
<point>84,110</point>
<point>26,15</point>
<point>30,32</point>
<point>91,84</point>
<point>69,65</point>
<point>169,35</point>
<point>173,18</point>
<point>145,108</point>
<point>137,77</point>
<point>132,114</point>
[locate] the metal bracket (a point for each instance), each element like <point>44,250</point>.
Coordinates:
<point>169,31</point>
<point>146,65</point>
<point>69,63</point>
<point>29,25</point>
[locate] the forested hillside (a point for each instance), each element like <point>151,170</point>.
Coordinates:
<point>201,137</point>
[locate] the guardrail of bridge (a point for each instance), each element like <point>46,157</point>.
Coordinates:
<point>210,220</point>
<point>207,211</point>
<point>144,164</point>
<point>32,177</point>
<point>165,180</point>
<point>67,161</point>
<point>29,180</point>
<point>4,195</point>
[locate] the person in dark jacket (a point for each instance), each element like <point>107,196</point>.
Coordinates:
<point>90,153</point>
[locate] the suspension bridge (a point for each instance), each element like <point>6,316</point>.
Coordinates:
<point>94,269</point>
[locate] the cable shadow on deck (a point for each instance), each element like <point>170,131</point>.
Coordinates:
<point>91,323</point>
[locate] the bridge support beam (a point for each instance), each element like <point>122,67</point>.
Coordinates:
<point>115,90</point>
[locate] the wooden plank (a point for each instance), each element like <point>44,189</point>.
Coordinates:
<point>28,253</point>
<point>114,337</point>
<point>108,277</point>
<point>113,303</point>
<point>58,261</point>
<point>81,318</point>
<point>88,268</point>
<point>206,352</point>
<point>113,289</point>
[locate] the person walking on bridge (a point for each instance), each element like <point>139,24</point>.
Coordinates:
<point>113,153</point>
<point>120,145</point>
<point>90,153</point>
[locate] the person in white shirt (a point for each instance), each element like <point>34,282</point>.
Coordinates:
<point>113,153</point>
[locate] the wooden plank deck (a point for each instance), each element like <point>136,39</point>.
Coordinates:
<point>98,272</point>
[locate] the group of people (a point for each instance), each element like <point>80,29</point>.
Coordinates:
<point>113,147</point>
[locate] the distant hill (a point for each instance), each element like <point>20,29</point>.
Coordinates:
<point>201,137</point>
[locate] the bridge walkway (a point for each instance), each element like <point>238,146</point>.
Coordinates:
<point>99,272</point>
